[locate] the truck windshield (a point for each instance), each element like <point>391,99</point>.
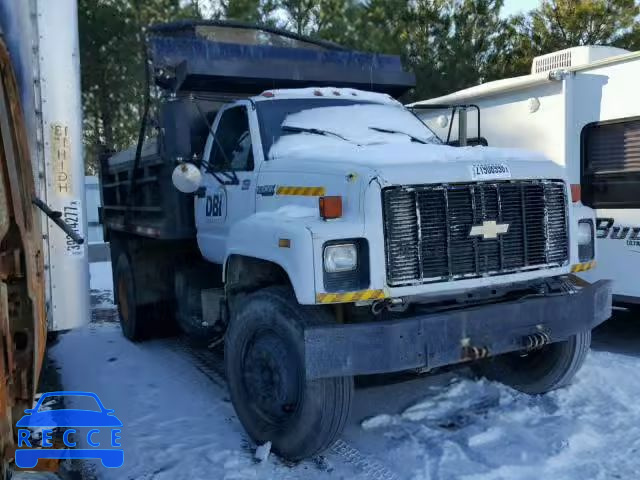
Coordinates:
<point>358,122</point>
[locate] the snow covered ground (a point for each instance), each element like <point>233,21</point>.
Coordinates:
<point>179,423</point>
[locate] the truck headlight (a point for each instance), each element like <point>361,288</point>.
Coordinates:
<point>340,258</point>
<point>586,241</point>
<point>346,265</point>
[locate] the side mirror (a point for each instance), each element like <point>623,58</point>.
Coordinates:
<point>29,411</point>
<point>186,178</point>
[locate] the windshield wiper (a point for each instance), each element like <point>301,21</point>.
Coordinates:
<point>315,131</point>
<point>387,130</point>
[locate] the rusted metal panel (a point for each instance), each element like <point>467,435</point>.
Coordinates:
<point>22,290</point>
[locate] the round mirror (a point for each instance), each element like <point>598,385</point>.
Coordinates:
<point>186,177</point>
<point>442,121</point>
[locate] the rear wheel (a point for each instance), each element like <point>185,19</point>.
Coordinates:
<point>264,360</point>
<point>539,371</point>
<point>133,321</point>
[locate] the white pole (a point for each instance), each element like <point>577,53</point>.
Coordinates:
<point>60,145</point>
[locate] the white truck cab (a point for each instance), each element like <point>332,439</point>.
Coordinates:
<point>355,145</point>
<point>325,232</point>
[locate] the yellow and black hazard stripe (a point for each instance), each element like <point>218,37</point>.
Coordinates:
<point>300,191</point>
<point>348,297</point>
<point>583,267</point>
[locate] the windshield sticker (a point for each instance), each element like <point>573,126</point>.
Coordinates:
<point>489,171</point>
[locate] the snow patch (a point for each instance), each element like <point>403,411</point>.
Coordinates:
<point>460,397</point>
<point>362,124</point>
<point>378,421</point>
<point>491,435</point>
<point>262,452</point>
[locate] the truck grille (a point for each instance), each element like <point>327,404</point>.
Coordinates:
<point>428,229</point>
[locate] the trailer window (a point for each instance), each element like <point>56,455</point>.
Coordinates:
<point>231,149</point>
<point>611,164</point>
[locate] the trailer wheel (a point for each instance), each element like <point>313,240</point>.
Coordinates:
<point>133,322</point>
<point>264,361</point>
<point>540,371</point>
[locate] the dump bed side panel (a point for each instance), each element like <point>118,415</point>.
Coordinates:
<point>151,206</point>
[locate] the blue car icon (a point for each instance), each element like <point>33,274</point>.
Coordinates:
<point>68,417</point>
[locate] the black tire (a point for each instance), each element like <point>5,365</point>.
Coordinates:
<point>264,361</point>
<point>133,320</point>
<point>540,371</point>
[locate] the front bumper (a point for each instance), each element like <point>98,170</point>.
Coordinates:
<point>445,338</point>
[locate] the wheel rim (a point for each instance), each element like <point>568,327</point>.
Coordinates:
<point>271,377</point>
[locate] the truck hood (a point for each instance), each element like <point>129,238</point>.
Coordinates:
<point>403,162</point>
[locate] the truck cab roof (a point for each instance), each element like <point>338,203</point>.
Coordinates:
<point>336,93</point>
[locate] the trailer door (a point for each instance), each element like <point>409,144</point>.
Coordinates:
<point>611,184</point>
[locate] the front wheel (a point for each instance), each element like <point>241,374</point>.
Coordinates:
<point>548,368</point>
<point>264,360</point>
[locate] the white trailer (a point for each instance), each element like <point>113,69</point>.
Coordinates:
<point>42,38</point>
<point>580,107</point>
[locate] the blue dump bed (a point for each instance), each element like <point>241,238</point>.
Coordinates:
<point>233,58</point>
<point>219,61</point>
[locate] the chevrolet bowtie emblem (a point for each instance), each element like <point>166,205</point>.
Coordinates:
<point>489,229</point>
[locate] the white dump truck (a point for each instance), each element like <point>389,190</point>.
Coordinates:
<point>323,231</point>
<point>578,107</point>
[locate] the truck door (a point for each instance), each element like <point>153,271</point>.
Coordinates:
<point>228,180</point>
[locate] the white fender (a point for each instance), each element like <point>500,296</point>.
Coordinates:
<point>263,235</point>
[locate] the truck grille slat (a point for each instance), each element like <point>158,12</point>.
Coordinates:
<point>427,229</point>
